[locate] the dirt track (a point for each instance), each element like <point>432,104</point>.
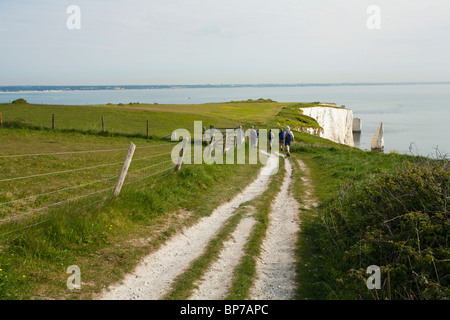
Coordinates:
<point>276,265</point>
<point>153,277</point>
<point>217,281</point>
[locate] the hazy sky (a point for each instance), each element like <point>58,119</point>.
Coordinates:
<point>223,41</point>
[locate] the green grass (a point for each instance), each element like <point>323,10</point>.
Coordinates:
<point>330,169</point>
<point>334,166</point>
<point>240,112</point>
<point>25,177</point>
<point>163,118</point>
<point>292,116</point>
<point>326,253</point>
<point>132,119</point>
<point>101,238</point>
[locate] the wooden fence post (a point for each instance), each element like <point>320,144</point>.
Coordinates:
<point>211,130</point>
<point>147,129</point>
<point>1,120</point>
<point>210,149</point>
<point>225,138</point>
<point>210,140</point>
<point>125,167</point>
<point>53,121</point>
<point>237,132</point>
<point>182,153</point>
<point>103,124</point>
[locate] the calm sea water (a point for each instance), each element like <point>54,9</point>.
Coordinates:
<point>416,116</point>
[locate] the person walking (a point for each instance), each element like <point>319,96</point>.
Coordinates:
<point>253,137</point>
<point>257,136</point>
<point>270,137</point>
<point>281,139</point>
<point>288,139</point>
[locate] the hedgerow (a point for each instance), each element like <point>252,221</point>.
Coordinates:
<point>398,221</point>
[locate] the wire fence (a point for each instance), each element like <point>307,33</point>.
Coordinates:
<point>22,208</point>
<point>78,152</point>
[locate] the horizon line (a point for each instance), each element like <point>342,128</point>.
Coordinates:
<point>229,84</point>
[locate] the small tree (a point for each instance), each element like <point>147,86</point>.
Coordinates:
<point>20,101</point>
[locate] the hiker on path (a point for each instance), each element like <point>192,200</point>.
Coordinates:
<point>240,136</point>
<point>288,139</point>
<point>281,139</point>
<point>257,136</point>
<point>270,137</point>
<point>253,137</point>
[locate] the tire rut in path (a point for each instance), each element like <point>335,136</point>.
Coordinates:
<point>217,281</point>
<point>154,276</point>
<point>275,268</point>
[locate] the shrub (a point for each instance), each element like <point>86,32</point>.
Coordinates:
<point>400,222</point>
<point>20,101</point>
<point>260,100</point>
<point>16,124</point>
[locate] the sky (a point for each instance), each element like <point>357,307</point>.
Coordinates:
<point>131,42</point>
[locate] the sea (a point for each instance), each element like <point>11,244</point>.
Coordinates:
<point>416,117</point>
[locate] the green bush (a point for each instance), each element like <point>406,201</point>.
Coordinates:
<point>260,100</point>
<point>16,123</point>
<point>20,101</point>
<point>398,221</point>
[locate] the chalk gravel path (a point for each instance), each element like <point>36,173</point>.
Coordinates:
<point>217,281</point>
<point>153,277</point>
<point>275,267</point>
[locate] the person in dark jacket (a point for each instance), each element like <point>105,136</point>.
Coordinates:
<point>281,139</point>
<point>288,139</point>
<point>270,137</point>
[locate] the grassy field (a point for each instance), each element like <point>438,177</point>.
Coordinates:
<point>100,234</point>
<point>24,177</point>
<point>163,119</point>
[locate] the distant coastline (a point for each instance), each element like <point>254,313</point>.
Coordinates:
<point>39,88</point>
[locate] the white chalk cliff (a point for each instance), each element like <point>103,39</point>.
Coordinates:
<point>337,123</point>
